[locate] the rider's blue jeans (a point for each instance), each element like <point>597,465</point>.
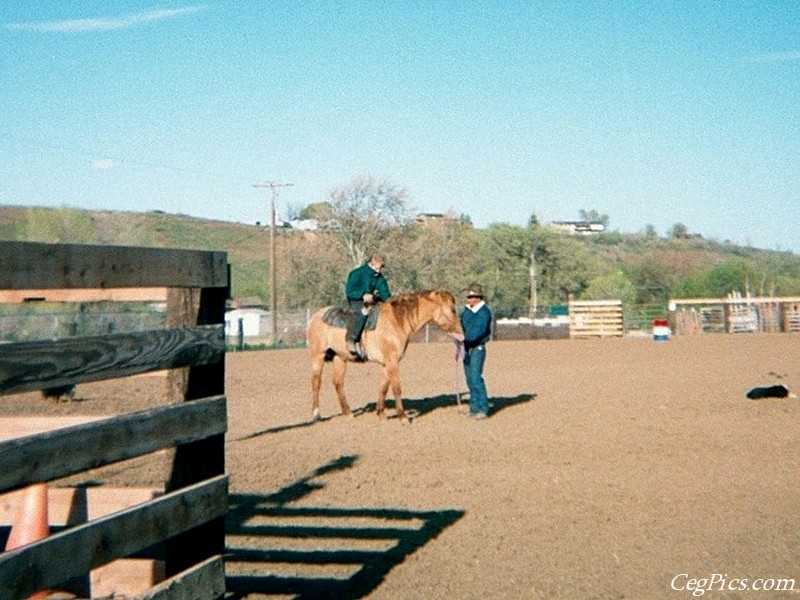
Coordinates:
<point>473,371</point>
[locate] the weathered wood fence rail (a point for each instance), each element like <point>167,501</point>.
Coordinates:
<point>735,314</point>
<point>188,519</point>
<point>595,318</point>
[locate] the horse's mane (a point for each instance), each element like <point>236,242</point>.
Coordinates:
<point>405,306</point>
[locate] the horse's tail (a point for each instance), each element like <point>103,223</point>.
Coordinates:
<point>314,323</point>
<point>320,333</point>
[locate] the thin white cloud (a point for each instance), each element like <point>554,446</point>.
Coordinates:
<point>775,57</point>
<point>104,164</point>
<point>107,24</point>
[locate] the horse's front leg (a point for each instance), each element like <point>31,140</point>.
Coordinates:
<point>339,369</point>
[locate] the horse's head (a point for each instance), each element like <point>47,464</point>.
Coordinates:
<point>445,314</point>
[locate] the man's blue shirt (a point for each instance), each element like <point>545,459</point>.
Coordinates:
<point>477,326</point>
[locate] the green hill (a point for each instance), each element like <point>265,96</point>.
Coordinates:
<point>246,245</point>
<point>635,267</point>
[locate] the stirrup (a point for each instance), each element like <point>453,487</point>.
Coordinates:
<point>356,350</point>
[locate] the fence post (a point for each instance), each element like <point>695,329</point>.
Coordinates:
<point>201,460</point>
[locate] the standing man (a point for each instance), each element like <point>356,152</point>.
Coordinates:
<point>476,320</point>
<point>366,286</point>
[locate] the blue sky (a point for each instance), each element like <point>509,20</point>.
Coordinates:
<point>653,113</point>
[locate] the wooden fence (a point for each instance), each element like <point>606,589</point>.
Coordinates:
<point>187,521</point>
<point>735,314</point>
<point>595,318</point>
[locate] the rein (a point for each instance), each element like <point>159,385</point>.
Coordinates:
<point>459,347</point>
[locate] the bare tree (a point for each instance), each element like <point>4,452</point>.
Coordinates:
<point>363,210</point>
<point>312,270</point>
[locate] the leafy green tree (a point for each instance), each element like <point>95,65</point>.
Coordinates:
<point>652,274</point>
<point>776,274</point>
<point>594,216</point>
<point>564,265</point>
<point>731,276</point>
<point>716,281</point>
<point>692,285</point>
<point>782,285</point>
<point>316,210</point>
<point>502,265</point>
<point>613,285</point>
<point>679,231</point>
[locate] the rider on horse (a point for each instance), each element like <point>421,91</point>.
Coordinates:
<point>366,286</point>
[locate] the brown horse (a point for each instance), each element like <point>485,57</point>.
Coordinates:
<point>399,318</point>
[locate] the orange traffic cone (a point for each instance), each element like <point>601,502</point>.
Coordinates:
<point>31,521</point>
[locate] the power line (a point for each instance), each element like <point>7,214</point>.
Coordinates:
<point>91,155</point>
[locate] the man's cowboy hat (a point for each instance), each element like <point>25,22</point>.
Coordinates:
<point>474,290</point>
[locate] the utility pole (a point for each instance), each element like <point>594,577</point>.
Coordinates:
<point>273,277</point>
<point>534,296</point>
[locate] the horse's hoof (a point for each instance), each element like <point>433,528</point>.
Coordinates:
<point>315,416</point>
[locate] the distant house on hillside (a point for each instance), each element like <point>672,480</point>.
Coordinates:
<point>429,218</point>
<point>578,227</point>
<point>312,225</point>
<point>304,224</point>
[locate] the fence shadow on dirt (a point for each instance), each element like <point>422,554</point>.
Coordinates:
<point>275,549</point>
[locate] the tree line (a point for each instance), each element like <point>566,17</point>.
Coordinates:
<point>520,267</point>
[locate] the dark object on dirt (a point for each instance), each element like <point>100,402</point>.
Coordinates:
<point>58,393</point>
<point>772,391</point>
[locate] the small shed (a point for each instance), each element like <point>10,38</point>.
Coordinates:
<point>246,322</point>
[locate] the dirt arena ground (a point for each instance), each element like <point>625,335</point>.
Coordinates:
<point>621,468</point>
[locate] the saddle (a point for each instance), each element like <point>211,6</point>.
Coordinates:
<point>336,316</point>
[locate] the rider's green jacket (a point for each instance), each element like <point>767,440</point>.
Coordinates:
<point>365,280</point>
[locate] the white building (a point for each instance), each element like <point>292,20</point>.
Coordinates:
<point>578,227</point>
<point>249,322</point>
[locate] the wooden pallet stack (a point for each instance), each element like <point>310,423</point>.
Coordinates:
<point>791,317</point>
<point>595,318</point>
